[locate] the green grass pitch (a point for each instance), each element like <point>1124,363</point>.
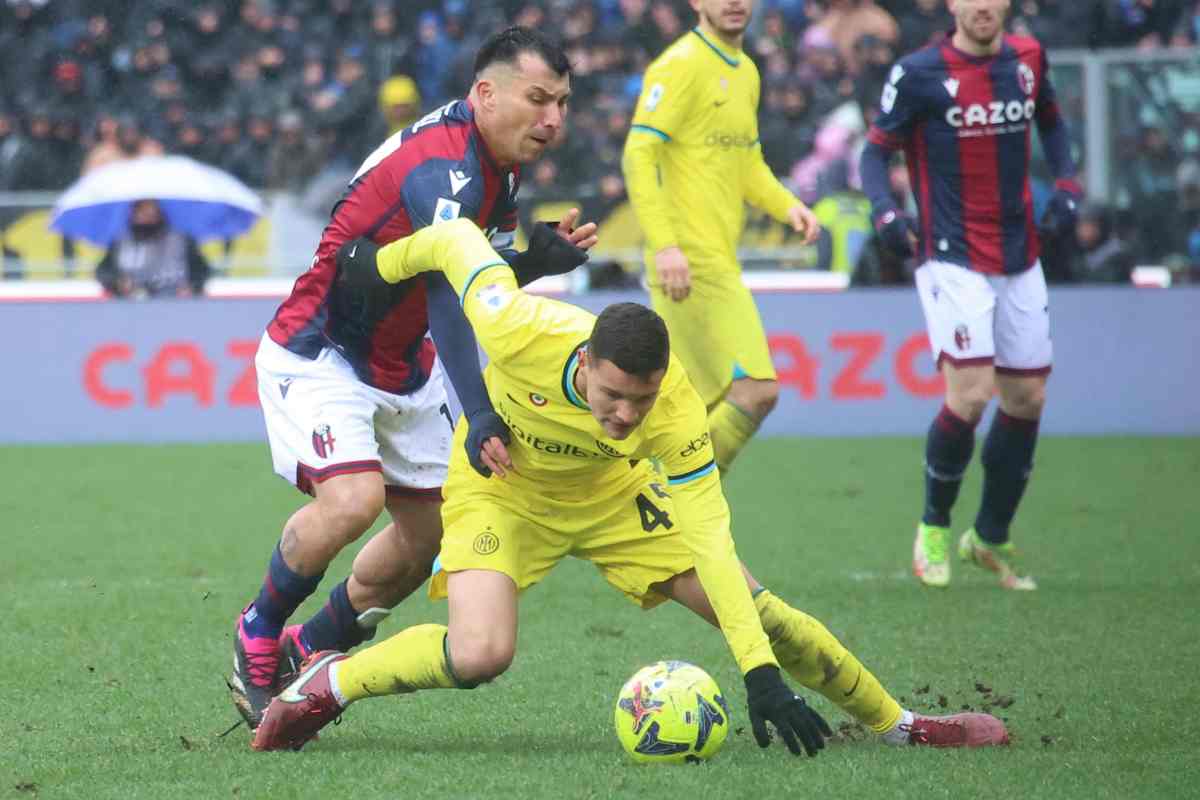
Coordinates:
<point>123,568</point>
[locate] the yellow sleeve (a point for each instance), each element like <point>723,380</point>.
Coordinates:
<point>763,189</point>
<point>639,162</point>
<point>685,449</point>
<point>506,320</point>
<point>661,113</point>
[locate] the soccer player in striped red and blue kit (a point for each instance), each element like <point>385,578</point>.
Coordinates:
<point>353,399</point>
<point>962,111</point>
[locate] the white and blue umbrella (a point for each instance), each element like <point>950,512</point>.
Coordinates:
<point>201,201</point>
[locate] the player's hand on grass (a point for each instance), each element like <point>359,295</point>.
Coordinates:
<point>673,272</point>
<point>898,232</point>
<point>487,436</point>
<point>804,221</point>
<point>584,237</point>
<point>772,700</point>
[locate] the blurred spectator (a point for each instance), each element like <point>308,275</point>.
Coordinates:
<point>1141,23</point>
<point>1100,256</point>
<point>433,52</point>
<point>248,157</point>
<point>1061,23</point>
<point>34,163</point>
<point>1150,177</point>
<point>787,126</point>
<point>387,45</point>
<point>927,21</point>
<point>295,155</point>
<point>399,102</point>
<point>343,105</point>
<point>152,260</point>
<point>846,228</point>
<point>847,20</point>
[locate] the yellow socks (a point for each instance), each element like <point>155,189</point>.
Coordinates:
<point>730,428</point>
<point>815,658</point>
<point>413,659</point>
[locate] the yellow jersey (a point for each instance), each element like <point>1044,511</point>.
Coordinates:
<point>693,159</point>
<point>558,448</point>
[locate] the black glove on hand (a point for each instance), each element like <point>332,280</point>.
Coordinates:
<point>548,254</point>
<point>894,229</point>
<point>1058,220</point>
<point>480,427</point>
<point>356,267</point>
<point>771,700</point>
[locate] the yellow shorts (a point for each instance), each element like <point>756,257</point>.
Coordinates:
<point>716,331</point>
<point>630,532</point>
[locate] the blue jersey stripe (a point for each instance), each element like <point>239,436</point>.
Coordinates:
<point>675,480</point>
<point>666,137</point>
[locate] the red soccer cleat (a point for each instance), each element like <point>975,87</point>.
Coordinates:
<point>302,708</point>
<point>958,730</point>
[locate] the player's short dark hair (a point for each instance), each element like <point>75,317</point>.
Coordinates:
<point>507,45</point>
<point>632,337</point>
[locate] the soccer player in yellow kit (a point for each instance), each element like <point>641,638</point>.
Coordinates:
<point>692,160</point>
<point>588,401</point>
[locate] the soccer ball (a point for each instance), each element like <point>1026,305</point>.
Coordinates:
<point>671,712</point>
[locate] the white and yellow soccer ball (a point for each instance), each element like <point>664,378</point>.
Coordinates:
<point>671,712</point>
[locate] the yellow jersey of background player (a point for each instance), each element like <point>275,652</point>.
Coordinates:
<point>691,161</point>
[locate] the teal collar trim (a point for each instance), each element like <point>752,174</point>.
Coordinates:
<point>568,379</point>
<point>733,62</point>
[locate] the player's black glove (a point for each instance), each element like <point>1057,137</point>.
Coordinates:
<point>895,229</point>
<point>548,254</point>
<point>771,700</point>
<point>1058,219</point>
<point>356,268</point>
<point>482,426</point>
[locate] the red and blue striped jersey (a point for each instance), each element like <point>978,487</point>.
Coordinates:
<point>437,169</point>
<point>964,124</point>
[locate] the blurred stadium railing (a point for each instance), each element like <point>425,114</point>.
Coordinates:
<point>1135,122</point>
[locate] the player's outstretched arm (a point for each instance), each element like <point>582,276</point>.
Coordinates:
<point>506,320</point>
<point>487,435</point>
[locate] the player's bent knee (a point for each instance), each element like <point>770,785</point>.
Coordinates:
<point>970,402</point>
<point>756,397</point>
<point>481,660</point>
<point>348,513</point>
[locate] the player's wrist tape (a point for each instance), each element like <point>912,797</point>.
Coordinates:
<point>548,254</point>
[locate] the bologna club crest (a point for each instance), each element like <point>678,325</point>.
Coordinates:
<point>962,337</point>
<point>323,441</point>
<point>1025,77</point>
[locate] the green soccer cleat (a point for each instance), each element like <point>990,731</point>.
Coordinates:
<point>931,564</point>
<point>998,558</point>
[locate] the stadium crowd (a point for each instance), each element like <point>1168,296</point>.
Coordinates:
<point>279,91</point>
